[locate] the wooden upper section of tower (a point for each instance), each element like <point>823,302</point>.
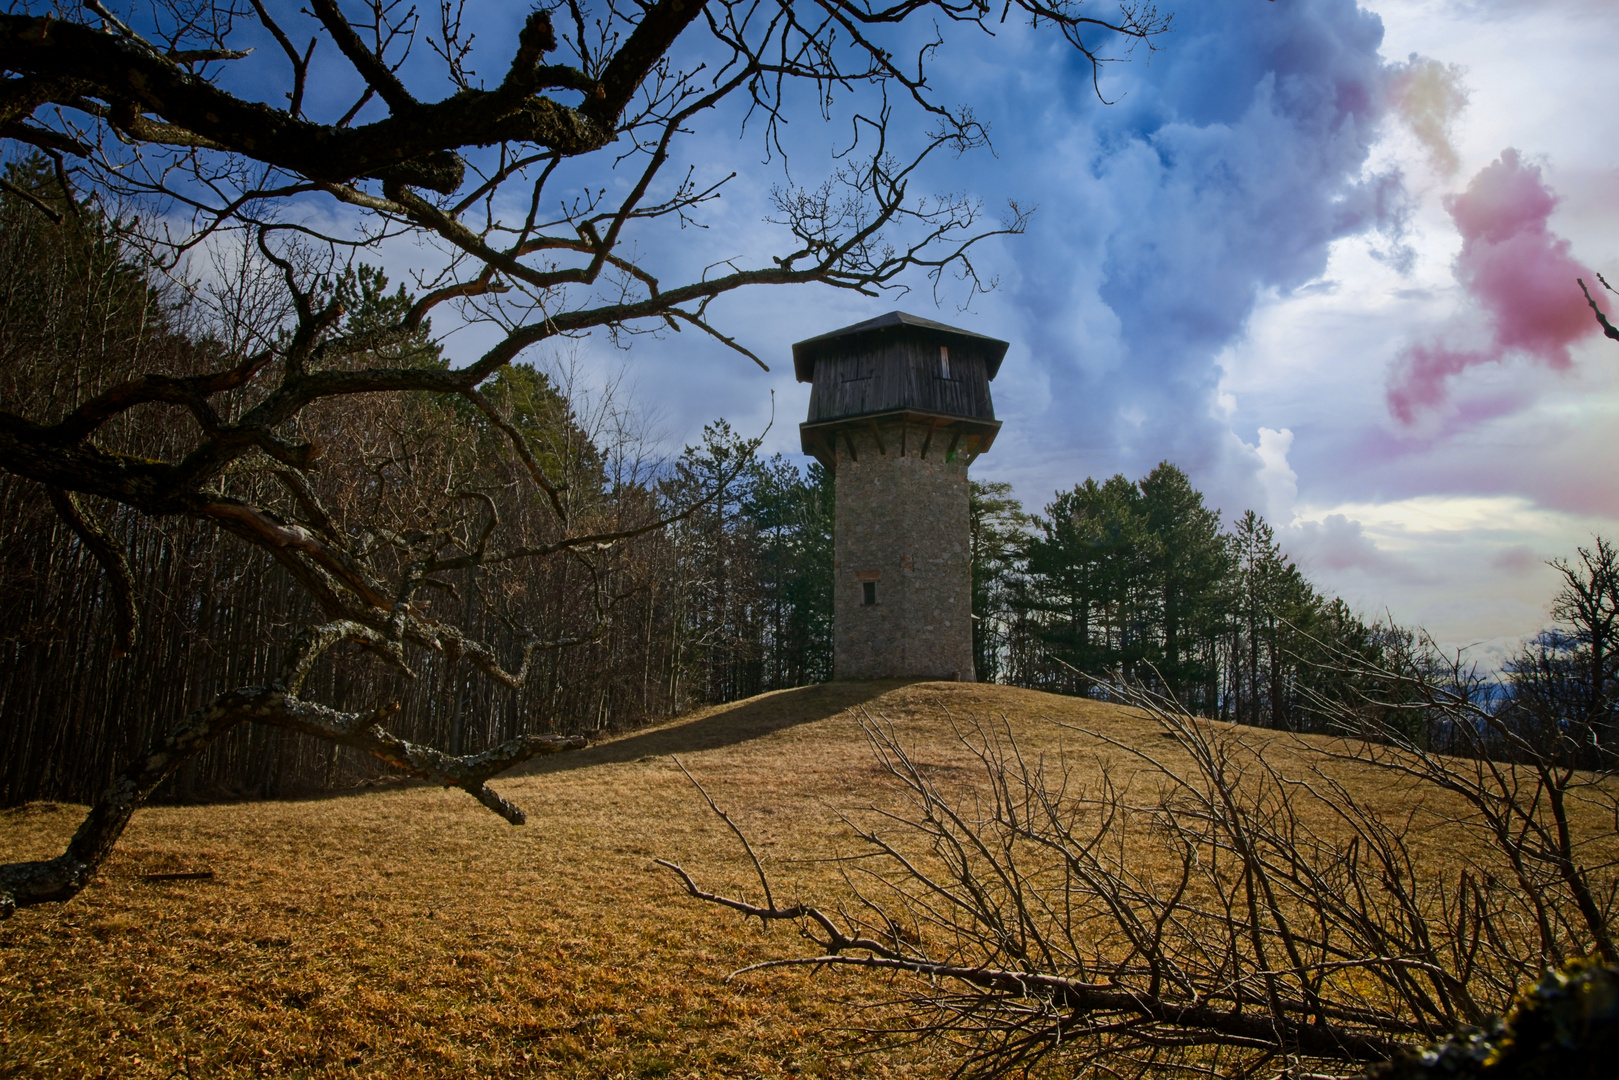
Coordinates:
<point>899,368</point>
<point>898,361</point>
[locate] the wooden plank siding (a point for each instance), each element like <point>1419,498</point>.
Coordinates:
<point>884,372</point>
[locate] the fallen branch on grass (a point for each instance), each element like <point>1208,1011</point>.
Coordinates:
<point>51,881</point>
<point>1242,922</point>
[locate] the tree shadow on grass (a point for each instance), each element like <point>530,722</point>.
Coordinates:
<point>722,726</point>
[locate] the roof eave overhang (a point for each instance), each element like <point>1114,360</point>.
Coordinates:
<point>819,438</point>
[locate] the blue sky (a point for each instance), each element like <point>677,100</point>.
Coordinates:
<point>1311,254</point>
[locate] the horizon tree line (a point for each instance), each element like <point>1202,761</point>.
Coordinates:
<point>1138,581</point>
<point>1119,579</point>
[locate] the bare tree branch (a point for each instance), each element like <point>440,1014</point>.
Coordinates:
<point>52,881</point>
<point>113,563</point>
<point>1608,329</point>
<point>1039,919</point>
<point>140,104</point>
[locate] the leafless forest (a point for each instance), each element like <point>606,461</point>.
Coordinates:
<point>717,606</point>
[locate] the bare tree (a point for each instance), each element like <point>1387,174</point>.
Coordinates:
<point>1587,602</point>
<point>160,109</point>
<point>1608,329</point>
<point>1239,907</point>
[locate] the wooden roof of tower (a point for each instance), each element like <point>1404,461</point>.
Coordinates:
<point>899,368</point>
<point>806,352</point>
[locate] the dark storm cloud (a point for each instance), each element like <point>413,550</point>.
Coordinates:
<point>1229,168</point>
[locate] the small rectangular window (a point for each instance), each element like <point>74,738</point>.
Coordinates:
<point>868,593</point>
<point>944,361</point>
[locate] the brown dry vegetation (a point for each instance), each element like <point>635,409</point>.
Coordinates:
<point>408,932</point>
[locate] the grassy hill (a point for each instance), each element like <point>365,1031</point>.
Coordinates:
<point>410,933</point>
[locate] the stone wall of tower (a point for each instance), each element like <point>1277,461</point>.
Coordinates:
<point>902,526</point>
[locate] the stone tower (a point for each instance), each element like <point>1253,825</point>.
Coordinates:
<point>899,408</point>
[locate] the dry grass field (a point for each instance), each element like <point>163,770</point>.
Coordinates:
<point>410,933</point>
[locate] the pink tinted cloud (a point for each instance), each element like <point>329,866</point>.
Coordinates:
<point>1519,276</point>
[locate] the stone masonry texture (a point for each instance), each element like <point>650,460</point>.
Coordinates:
<point>902,525</point>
